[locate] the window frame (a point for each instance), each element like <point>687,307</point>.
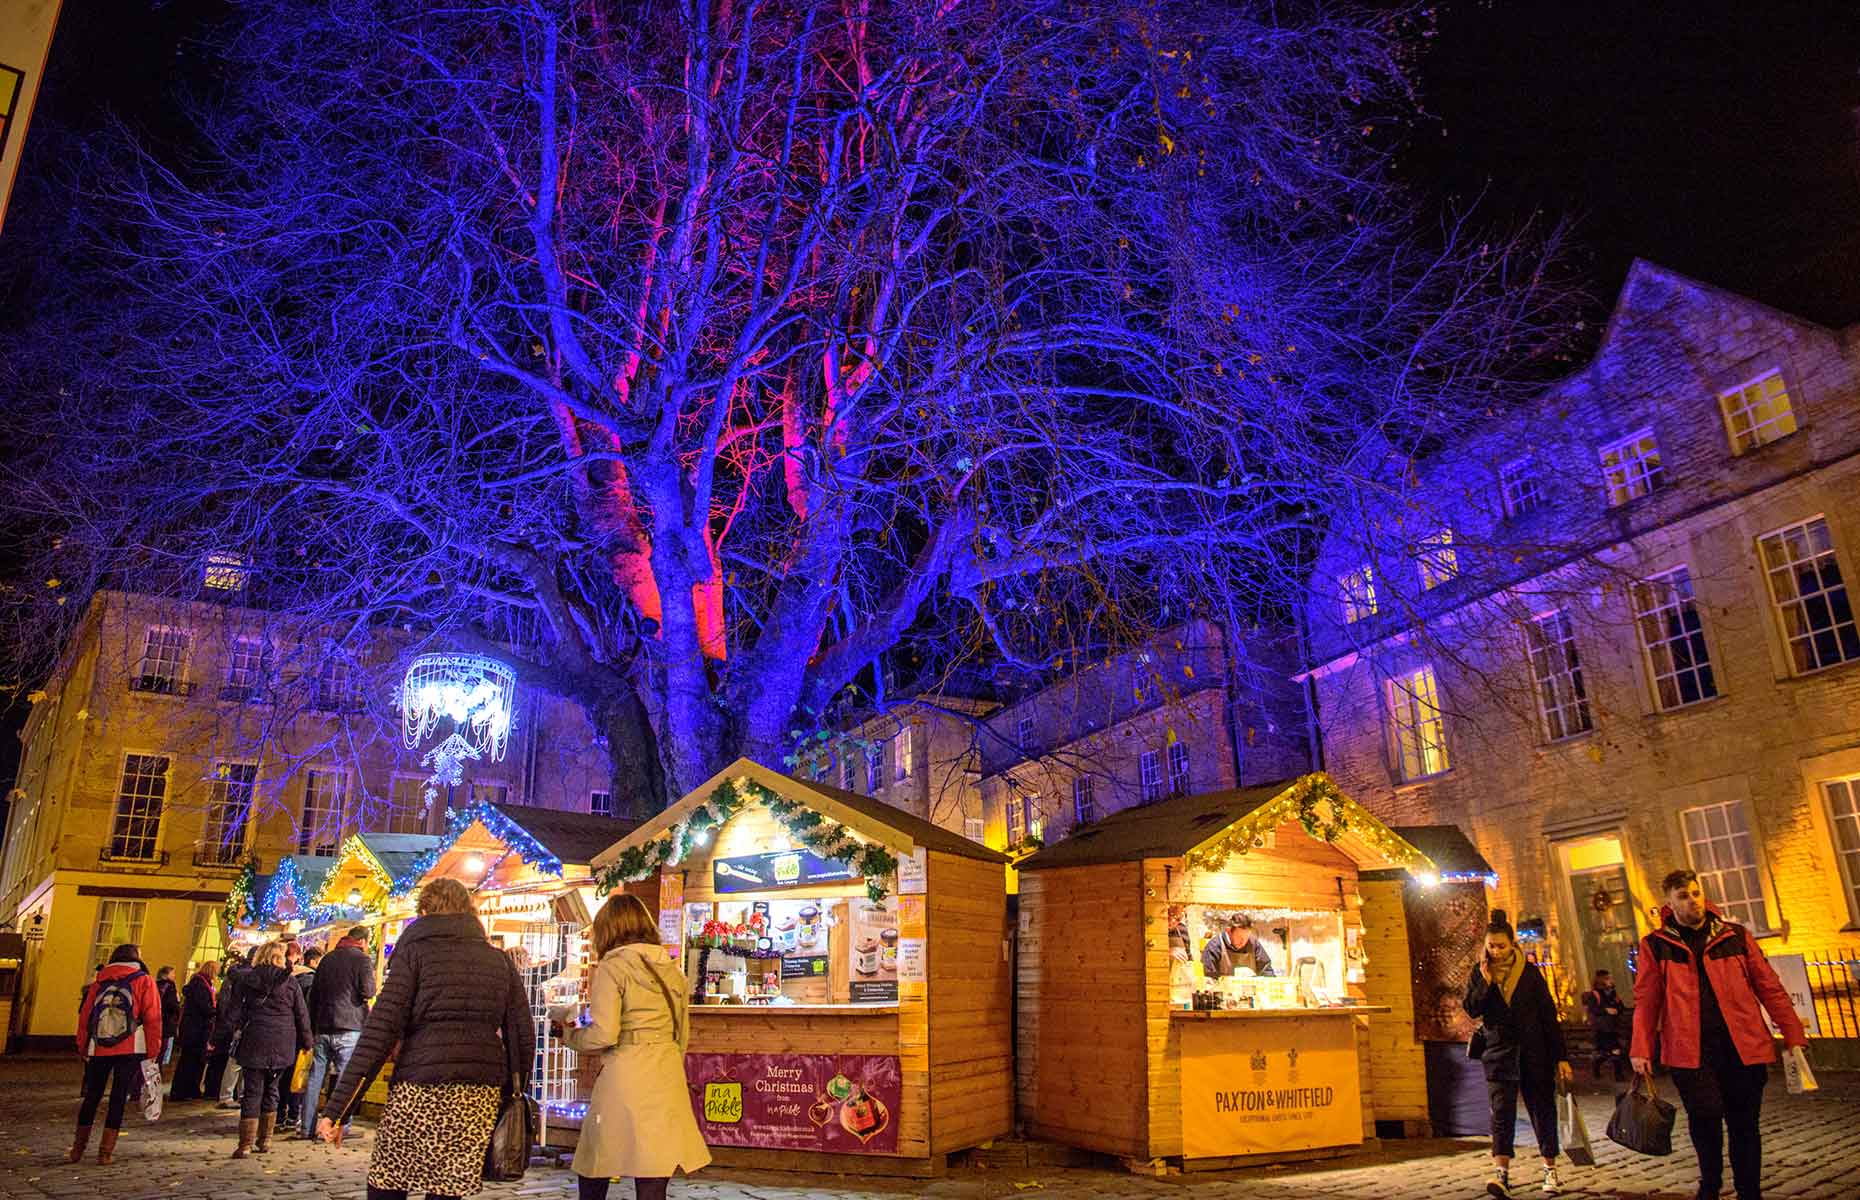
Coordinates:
<point>1846,861</point>
<point>1179,768</point>
<point>101,947</point>
<point>115,838</point>
<point>1728,414</point>
<point>392,809</point>
<point>1711,877</point>
<point>1701,669</point>
<point>975,829</point>
<point>176,685</point>
<point>1638,480</point>
<point>601,810</point>
<point>1520,487</point>
<point>1356,592</point>
<point>1023,732</point>
<point>1568,671</point>
<point>1150,776</point>
<point>1425,749</point>
<point>1016,815</point>
<point>1036,820</point>
<point>1084,800</point>
<point>260,668</point>
<point>875,766</point>
<point>1435,559</point>
<point>219,786</point>
<point>1777,604</point>
<point>902,751</point>
<point>306,841</point>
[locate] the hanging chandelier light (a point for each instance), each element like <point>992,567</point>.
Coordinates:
<point>477,694</point>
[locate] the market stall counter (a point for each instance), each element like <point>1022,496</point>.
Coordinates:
<point>1201,961</point>
<point>848,968</point>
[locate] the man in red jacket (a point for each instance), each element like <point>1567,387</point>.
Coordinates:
<point>119,1027</point>
<point>1699,997</point>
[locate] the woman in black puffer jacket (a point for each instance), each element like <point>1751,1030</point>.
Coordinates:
<point>268,1016</point>
<point>455,1004</point>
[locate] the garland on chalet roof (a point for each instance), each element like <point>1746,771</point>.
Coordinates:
<point>816,833</point>
<point>498,826</point>
<point>1321,811</point>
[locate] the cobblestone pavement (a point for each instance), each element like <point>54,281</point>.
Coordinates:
<point>1812,1152</point>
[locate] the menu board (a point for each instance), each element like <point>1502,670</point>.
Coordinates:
<point>780,868</point>
<point>872,945</point>
<point>839,1103</point>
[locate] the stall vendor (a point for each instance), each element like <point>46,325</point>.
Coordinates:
<point>1233,947</point>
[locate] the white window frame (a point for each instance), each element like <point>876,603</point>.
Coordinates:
<point>1742,405</point>
<point>975,829</point>
<point>1023,732</point>
<point>171,675</point>
<point>1150,776</point>
<point>1695,829</point>
<point>901,754</point>
<point>1802,649</point>
<point>207,916</point>
<point>248,666</point>
<point>1084,800</point>
<point>848,782</point>
<point>1036,820</point>
<point>1435,559</point>
<point>1178,768</point>
<point>875,767</point>
<point>104,939</point>
<point>1556,676</point>
<point>1016,820</point>
<point>308,842</point>
<point>1417,725</point>
<point>1844,831</point>
<point>1662,602</point>
<point>216,845</point>
<point>1520,488</point>
<point>334,690</point>
<point>601,803</point>
<point>226,571</point>
<point>392,816</point>
<point>1632,467</point>
<point>1357,589</point>
<point>122,819</point>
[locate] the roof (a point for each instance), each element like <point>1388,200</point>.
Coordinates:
<point>1452,851</point>
<point>574,837</point>
<point>396,852</point>
<point>308,869</point>
<point>1176,827</point>
<point>873,819</point>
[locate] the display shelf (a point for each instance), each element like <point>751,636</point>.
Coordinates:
<point>1260,1014</point>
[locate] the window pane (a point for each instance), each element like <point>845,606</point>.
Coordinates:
<point>1722,851</point>
<point>1810,597</point>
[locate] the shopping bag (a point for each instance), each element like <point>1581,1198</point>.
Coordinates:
<point>1642,1122</point>
<point>1796,1072</point>
<point>300,1075</point>
<point>1572,1132</point>
<point>151,1090</point>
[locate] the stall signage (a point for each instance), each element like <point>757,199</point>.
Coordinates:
<point>781,868</point>
<point>1266,1085</point>
<point>834,1103</point>
<point>1792,969</point>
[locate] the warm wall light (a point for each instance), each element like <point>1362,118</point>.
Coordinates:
<point>355,897</point>
<point>474,864</point>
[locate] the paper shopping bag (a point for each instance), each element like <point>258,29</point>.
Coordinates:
<point>151,1090</point>
<point>1573,1133</point>
<point>1796,1072</point>
<point>300,1074</point>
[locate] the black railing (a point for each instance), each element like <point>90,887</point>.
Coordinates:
<point>212,856</point>
<point>118,854</point>
<point>1834,982</point>
<point>160,685</point>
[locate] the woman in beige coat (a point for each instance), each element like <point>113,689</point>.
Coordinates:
<point>639,1123</point>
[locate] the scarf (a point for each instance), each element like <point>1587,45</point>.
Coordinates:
<point>1508,981</point>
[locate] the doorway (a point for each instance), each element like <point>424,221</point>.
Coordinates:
<point>1595,872</point>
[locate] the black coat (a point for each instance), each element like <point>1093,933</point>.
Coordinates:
<point>345,983</point>
<point>454,1002</point>
<point>269,1014</point>
<point>170,1008</point>
<point>1523,1039</point>
<point>196,1013</point>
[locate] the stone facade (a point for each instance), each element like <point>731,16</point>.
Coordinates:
<point>1571,726</point>
<point>228,690</point>
<point>919,756</point>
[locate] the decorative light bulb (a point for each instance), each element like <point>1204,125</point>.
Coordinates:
<point>355,897</point>
<point>474,864</point>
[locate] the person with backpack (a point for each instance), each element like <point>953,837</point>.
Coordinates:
<point>198,1001</point>
<point>119,1028</point>
<point>269,1024</point>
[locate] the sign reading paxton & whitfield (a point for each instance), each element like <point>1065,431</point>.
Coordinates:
<point>834,1103</point>
<point>1244,1091</point>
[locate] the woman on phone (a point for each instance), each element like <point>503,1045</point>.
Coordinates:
<point>639,1123</point>
<point>1523,1051</point>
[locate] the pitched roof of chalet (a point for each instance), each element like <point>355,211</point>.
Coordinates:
<point>1452,851</point>
<point>870,818</point>
<point>396,852</point>
<point>574,837</point>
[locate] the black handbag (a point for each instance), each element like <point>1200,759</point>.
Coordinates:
<point>1475,1045</point>
<point>1642,1122</point>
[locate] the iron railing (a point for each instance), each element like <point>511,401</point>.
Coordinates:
<point>1834,982</point>
<point>134,857</point>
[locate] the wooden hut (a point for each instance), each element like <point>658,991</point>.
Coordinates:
<point>850,964</point>
<point>1126,1047</point>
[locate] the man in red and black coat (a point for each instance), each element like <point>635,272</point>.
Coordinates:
<point>1699,997</point>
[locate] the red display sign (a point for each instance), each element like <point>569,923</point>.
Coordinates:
<point>835,1103</point>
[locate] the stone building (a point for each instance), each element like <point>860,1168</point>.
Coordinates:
<point>918,755</point>
<point>177,740</point>
<point>1612,632</point>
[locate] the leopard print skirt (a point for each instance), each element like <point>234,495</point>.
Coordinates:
<point>432,1138</point>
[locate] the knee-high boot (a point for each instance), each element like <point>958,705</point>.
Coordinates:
<point>248,1134</point>
<point>266,1122</point>
<point>106,1147</point>
<point>78,1143</point>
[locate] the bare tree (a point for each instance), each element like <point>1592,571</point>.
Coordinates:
<point>713,359</point>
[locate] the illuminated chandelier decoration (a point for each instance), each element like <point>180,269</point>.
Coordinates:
<point>477,694</point>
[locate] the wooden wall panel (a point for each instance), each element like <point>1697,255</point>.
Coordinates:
<point>1398,1068</point>
<point>970,1050</point>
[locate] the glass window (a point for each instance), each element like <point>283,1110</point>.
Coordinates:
<point>1844,815</point>
<point>1519,488</point>
<point>874,767</point>
<point>487,792</point>
<point>901,754</point>
<point>1359,594</point>
<point>1810,596</point>
<point>1149,774</point>
<point>1016,820</point>
<point>847,783</point>
<point>406,807</point>
<point>226,571</point>
<point>118,921</point>
<point>139,802</point>
<point>1084,800</point>
<point>1631,467</point>
<point>1023,732</point>
<point>1757,413</point>
<point>1036,819</point>
<point>1178,768</point>
<point>1672,636</point>
<point>164,659</point>
<point>335,685</point>
<point>973,828</point>
<point>208,938</point>
<point>326,795</point>
<point>229,812</point>
<point>1420,730</point>
<point>247,665</point>
<point>601,804</point>
<point>1562,700</point>
<point>1435,558</point>
<point>1720,848</point>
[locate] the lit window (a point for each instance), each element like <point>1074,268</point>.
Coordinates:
<point>247,665</point>
<point>1359,594</point>
<point>1149,774</point>
<point>1631,467</point>
<point>140,799</point>
<point>118,922</point>
<point>1719,846</point>
<point>1519,487</point>
<point>1436,560</point>
<point>319,829</point>
<point>229,811</point>
<point>164,659</point>
<point>226,571</point>
<point>1810,597</point>
<point>874,767</point>
<point>973,828</point>
<point>1023,732</point>
<point>208,938</point>
<point>1562,700</point>
<point>901,754</point>
<point>846,774</point>
<point>1036,821</point>
<point>1178,768</point>
<point>1084,800</point>
<point>1844,815</point>
<point>1016,820</point>
<point>1757,413</point>
<point>1420,730</point>
<point>1672,635</point>
<point>601,804</point>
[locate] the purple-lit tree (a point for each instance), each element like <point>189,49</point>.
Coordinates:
<point>725,356</point>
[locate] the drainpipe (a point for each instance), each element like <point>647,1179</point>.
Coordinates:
<point>1314,738</point>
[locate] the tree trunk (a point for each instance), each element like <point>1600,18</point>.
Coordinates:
<point>638,779</point>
